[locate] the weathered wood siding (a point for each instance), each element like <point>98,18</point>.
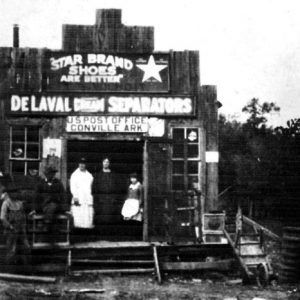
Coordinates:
<point>22,70</point>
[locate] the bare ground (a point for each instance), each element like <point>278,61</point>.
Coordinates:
<point>145,287</point>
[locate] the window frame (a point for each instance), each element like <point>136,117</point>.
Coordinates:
<point>185,159</point>
<point>24,158</point>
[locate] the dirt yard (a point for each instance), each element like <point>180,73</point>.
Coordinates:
<point>145,287</point>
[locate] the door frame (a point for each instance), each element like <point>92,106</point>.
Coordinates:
<point>145,172</point>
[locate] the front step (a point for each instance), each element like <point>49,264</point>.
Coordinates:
<point>114,271</point>
<point>112,258</point>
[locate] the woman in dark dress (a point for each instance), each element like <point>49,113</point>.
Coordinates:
<point>104,190</point>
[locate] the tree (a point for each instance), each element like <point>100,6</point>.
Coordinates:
<point>247,154</point>
<point>258,113</point>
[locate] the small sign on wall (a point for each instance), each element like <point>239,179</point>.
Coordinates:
<point>51,147</point>
<point>115,124</point>
<point>212,156</point>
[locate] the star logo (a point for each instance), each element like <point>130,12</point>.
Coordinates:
<point>151,69</point>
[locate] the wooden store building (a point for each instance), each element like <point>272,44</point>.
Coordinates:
<point>109,93</point>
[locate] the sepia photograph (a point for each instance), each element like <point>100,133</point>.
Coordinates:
<point>149,149</point>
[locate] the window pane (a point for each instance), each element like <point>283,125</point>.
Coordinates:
<point>178,167</point>
<point>17,167</point>
<point>32,165</point>
<point>18,133</point>
<point>192,135</point>
<point>32,150</point>
<point>17,150</point>
<point>178,134</point>
<point>193,151</point>
<point>178,183</point>
<point>193,182</point>
<point>32,134</point>
<point>192,167</point>
<point>178,151</point>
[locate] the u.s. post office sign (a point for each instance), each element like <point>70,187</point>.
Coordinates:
<point>46,104</point>
<point>107,72</point>
<point>154,127</point>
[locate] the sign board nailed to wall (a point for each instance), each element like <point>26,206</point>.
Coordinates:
<point>116,124</point>
<point>42,104</point>
<point>107,72</point>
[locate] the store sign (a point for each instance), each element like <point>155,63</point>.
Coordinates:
<point>115,124</point>
<point>109,105</point>
<point>107,72</point>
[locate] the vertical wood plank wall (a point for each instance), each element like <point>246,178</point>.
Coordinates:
<point>21,69</point>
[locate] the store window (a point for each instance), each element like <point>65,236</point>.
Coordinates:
<point>24,149</point>
<point>185,158</point>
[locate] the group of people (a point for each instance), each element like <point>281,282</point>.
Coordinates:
<point>93,194</point>
<point>90,195</point>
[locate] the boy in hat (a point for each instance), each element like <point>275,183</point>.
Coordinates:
<point>50,199</point>
<point>14,221</point>
<point>82,201</point>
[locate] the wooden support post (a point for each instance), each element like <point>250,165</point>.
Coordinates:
<point>146,186</point>
<point>156,263</point>
<point>209,96</point>
<point>69,262</point>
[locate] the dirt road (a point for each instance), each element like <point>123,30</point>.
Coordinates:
<point>145,287</point>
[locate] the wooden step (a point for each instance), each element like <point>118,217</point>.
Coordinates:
<point>255,260</point>
<point>250,250</point>
<point>123,261</point>
<point>222,265</point>
<point>114,271</point>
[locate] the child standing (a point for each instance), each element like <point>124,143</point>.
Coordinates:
<point>14,222</point>
<point>132,208</point>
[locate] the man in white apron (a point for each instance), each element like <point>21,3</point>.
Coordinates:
<point>82,202</point>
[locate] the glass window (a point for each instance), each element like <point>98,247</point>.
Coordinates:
<point>178,167</point>
<point>192,167</point>
<point>177,183</point>
<point>178,151</point>
<point>193,151</point>
<point>185,158</point>
<point>178,134</point>
<point>24,148</point>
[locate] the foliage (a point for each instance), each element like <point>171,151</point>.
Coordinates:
<point>261,164</point>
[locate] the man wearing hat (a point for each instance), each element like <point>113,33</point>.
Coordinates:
<point>50,198</point>
<point>13,219</point>
<point>82,202</point>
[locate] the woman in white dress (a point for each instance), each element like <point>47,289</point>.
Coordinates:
<point>82,201</point>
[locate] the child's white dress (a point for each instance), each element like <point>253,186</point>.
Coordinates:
<point>132,209</point>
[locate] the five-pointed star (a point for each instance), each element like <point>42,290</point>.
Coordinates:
<point>151,69</point>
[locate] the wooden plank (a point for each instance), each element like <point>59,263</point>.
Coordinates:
<point>24,278</point>
<point>266,231</point>
<point>114,271</point>
<point>146,187</point>
<point>209,96</point>
<point>157,264</point>
<point>237,254</point>
<point>222,265</point>
<point>110,261</point>
<point>77,37</point>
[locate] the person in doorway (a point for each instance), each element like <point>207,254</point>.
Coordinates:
<point>50,200</point>
<point>14,222</point>
<point>132,208</point>
<point>82,200</point>
<point>104,190</point>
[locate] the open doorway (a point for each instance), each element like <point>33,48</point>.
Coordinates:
<point>125,157</point>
